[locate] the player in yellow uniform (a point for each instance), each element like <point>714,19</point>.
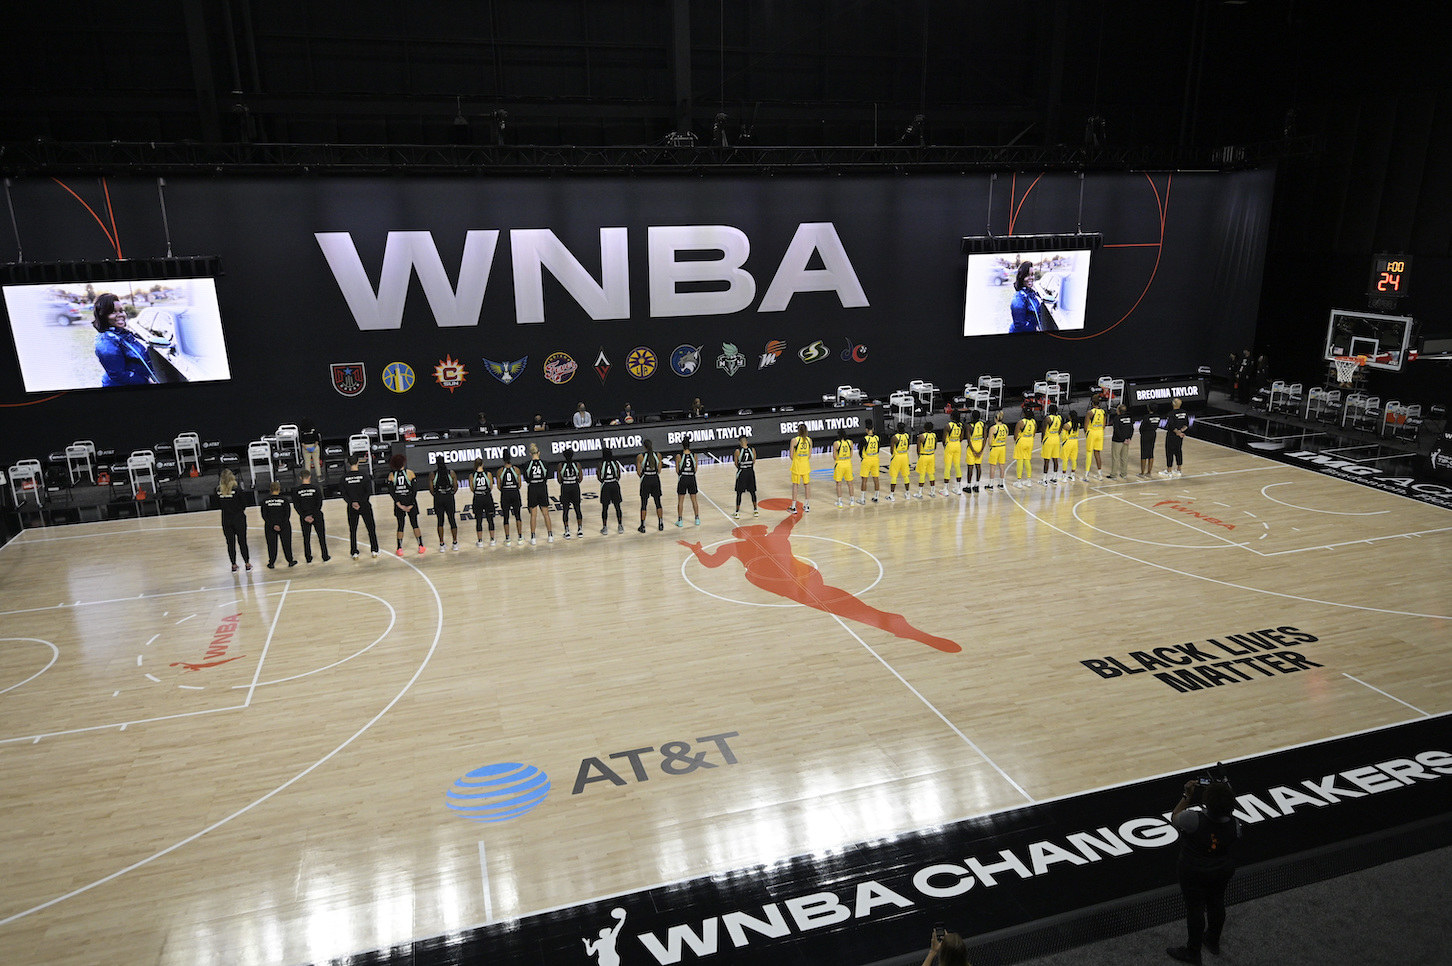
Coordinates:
<point>1023,450</point>
<point>1053,423</point>
<point>953,454</point>
<point>842,465</point>
<point>801,451</point>
<point>927,459</point>
<point>1069,445</point>
<point>997,450</point>
<point>871,468</point>
<point>1094,441</point>
<point>973,451</point>
<point>899,467</point>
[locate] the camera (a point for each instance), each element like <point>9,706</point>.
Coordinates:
<point>1205,779</point>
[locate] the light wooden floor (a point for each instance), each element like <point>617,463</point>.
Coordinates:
<point>289,805</point>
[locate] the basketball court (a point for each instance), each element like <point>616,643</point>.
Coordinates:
<point>301,764</point>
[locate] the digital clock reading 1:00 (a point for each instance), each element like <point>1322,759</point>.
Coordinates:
<point>1389,275</point>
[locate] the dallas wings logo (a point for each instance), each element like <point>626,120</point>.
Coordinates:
<point>773,352</point>
<point>450,373</point>
<point>506,372</point>
<point>686,359</point>
<point>349,378</point>
<point>730,360</point>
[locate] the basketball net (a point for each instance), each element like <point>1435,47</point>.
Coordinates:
<point>1345,368</point>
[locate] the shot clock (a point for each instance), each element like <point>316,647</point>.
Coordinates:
<point>1389,275</point>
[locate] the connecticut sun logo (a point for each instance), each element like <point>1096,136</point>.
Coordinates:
<point>450,373</point>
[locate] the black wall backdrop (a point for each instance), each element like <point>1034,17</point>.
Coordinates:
<point>1175,286</point>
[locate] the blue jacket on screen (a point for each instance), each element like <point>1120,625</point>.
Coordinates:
<point>124,357</point>
<point>1024,309</point>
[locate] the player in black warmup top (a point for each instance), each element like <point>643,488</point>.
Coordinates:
<point>307,499</point>
<point>358,495</point>
<point>647,466</point>
<point>745,459</point>
<point>609,477</point>
<point>686,483</point>
<point>1148,427</point>
<point>1176,427</point>
<point>444,485</point>
<point>402,487</point>
<point>277,525</point>
<point>234,518</point>
<point>509,482</point>
<point>569,475</point>
<point>536,478</point>
<point>479,485</point>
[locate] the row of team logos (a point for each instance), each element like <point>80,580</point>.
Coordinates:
<point>350,378</point>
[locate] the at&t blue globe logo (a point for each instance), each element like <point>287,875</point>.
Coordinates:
<point>495,793</point>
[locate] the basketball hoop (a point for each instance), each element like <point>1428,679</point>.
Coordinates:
<point>1346,367</point>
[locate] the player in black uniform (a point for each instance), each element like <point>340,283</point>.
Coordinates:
<point>569,475</point>
<point>1176,427</point>
<point>745,459</point>
<point>509,482</point>
<point>277,525</point>
<point>647,465</point>
<point>609,477</point>
<point>358,495</point>
<point>536,478</point>
<point>307,499</point>
<point>479,485</point>
<point>234,518</point>
<point>402,488</point>
<point>444,485</point>
<point>686,483</point>
<point>1148,427</point>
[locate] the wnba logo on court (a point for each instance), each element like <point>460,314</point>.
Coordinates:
<point>496,793</point>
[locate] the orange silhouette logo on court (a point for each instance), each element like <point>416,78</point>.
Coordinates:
<point>770,565</point>
<point>197,667</point>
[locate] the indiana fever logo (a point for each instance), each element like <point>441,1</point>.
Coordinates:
<point>771,566</point>
<point>1183,506</point>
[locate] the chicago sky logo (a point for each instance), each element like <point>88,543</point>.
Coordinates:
<point>497,793</point>
<point>398,377</point>
<point>730,360</point>
<point>686,359</point>
<point>773,352</point>
<point>349,378</point>
<point>506,372</point>
<point>815,352</point>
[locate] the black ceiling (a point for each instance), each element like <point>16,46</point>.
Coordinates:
<point>784,72</point>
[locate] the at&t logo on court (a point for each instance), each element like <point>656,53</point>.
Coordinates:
<point>496,793</point>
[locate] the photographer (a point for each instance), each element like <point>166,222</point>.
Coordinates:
<point>1209,834</point>
<point>946,949</point>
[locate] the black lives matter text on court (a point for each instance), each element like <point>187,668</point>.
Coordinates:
<point>1215,662</point>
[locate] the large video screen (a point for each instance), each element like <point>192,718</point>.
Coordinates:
<point>154,331</point>
<point>1015,292</point>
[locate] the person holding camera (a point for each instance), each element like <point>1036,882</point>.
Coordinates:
<point>1209,834</point>
<point>947,949</point>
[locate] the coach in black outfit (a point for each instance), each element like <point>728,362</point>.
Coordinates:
<point>308,500</point>
<point>277,525</point>
<point>1209,834</point>
<point>358,495</point>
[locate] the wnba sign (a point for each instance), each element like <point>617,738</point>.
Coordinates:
<point>533,250</point>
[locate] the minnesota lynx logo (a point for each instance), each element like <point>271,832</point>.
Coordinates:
<point>730,360</point>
